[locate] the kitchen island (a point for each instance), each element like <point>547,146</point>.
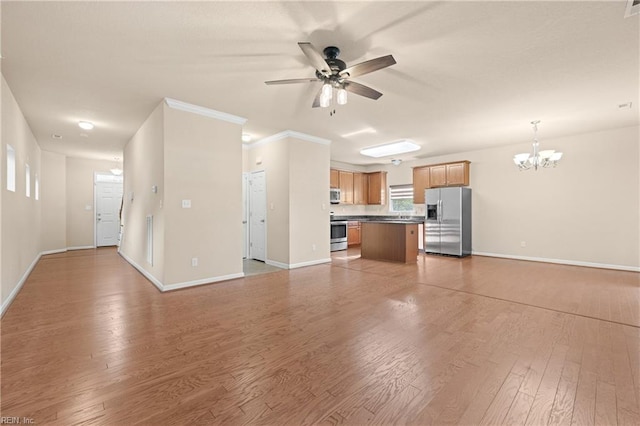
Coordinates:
<point>393,241</point>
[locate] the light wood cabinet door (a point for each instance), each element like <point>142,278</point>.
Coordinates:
<point>458,174</point>
<point>438,175</point>
<point>360,188</point>
<point>334,179</point>
<point>353,233</point>
<point>420,183</point>
<point>377,188</point>
<point>346,187</point>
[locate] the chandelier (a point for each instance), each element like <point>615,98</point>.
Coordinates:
<point>546,158</point>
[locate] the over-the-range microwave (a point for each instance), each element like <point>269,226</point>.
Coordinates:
<point>334,195</point>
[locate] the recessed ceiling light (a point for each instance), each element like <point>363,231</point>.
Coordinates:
<point>398,147</point>
<point>54,136</point>
<point>246,137</point>
<point>86,125</point>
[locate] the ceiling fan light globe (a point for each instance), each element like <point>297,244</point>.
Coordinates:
<point>327,91</point>
<point>341,96</point>
<point>325,101</point>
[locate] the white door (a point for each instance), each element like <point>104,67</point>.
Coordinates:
<point>257,215</point>
<point>108,202</point>
<point>245,215</point>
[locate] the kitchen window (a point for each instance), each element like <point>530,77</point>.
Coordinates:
<point>401,198</point>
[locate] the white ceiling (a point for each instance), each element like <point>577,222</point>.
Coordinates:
<point>468,75</point>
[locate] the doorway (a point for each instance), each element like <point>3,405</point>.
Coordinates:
<point>257,215</point>
<point>108,201</point>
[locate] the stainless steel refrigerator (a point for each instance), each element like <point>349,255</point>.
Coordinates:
<point>447,226</point>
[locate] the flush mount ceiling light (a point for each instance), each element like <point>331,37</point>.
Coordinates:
<point>546,158</point>
<point>86,125</point>
<point>394,148</point>
<point>246,137</point>
<point>117,171</point>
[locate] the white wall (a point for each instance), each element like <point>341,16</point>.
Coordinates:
<point>192,156</point>
<point>144,167</point>
<point>20,215</point>
<point>203,163</point>
<point>297,173</point>
<point>80,200</point>
<point>53,193</point>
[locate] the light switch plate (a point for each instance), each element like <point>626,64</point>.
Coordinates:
<point>186,204</point>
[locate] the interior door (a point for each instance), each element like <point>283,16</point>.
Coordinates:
<point>245,216</point>
<point>257,215</point>
<point>432,221</point>
<point>450,236</point>
<point>108,202</point>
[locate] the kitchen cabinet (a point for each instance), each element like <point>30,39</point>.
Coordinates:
<point>390,241</point>
<point>353,233</point>
<point>360,188</point>
<point>439,175</point>
<point>334,180</point>
<point>377,188</point>
<point>421,182</point>
<point>458,174</point>
<point>346,187</point>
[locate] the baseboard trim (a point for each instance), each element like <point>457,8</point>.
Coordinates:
<point>297,265</point>
<point>169,287</point>
<point>156,282</point>
<point>186,284</point>
<point>80,248</point>
<point>561,261</point>
<point>309,263</point>
<point>44,253</point>
<point>277,264</point>
<point>18,287</point>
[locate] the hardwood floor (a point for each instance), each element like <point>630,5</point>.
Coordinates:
<point>445,341</point>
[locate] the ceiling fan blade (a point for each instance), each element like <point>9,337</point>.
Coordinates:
<point>361,89</point>
<point>316,100</point>
<point>292,81</point>
<point>315,58</point>
<point>368,66</point>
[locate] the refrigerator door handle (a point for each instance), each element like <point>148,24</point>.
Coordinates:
<point>440,211</point>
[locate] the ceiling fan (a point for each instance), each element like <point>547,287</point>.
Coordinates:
<point>335,75</point>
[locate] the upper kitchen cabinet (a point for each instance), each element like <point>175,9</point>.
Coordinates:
<point>458,174</point>
<point>377,187</point>
<point>334,179</point>
<point>360,188</point>
<point>420,183</point>
<point>346,187</point>
<point>438,175</point>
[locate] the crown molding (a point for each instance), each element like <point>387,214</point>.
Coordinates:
<point>289,134</point>
<point>207,112</point>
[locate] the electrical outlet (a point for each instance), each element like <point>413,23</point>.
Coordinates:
<point>523,243</point>
<point>313,247</point>
<point>194,261</point>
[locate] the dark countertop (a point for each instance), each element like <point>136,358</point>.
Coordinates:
<point>378,218</point>
<point>395,222</point>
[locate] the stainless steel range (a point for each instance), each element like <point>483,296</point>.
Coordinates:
<point>338,235</point>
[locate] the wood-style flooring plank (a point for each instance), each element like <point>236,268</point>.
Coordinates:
<point>88,340</point>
